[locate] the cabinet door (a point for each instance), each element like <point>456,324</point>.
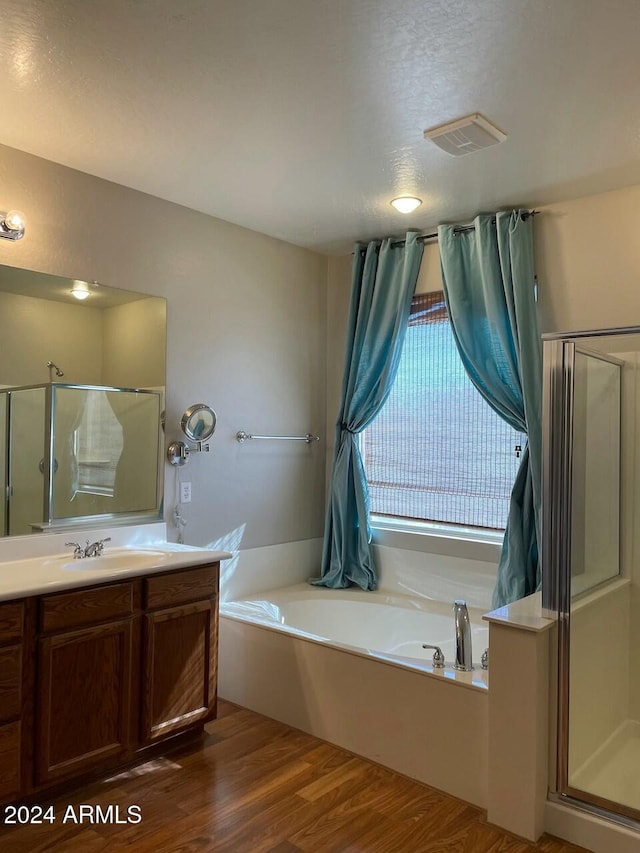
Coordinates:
<point>9,761</point>
<point>83,714</point>
<point>179,669</point>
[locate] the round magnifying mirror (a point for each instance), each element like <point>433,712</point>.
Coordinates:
<point>198,422</point>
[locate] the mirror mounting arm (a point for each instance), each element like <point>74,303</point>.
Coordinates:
<point>198,424</point>
<point>178,452</point>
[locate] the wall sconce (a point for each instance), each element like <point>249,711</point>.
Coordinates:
<point>12,225</point>
<point>198,424</point>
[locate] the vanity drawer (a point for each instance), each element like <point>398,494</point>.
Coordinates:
<point>10,682</point>
<point>181,587</point>
<point>86,607</point>
<point>11,621</point>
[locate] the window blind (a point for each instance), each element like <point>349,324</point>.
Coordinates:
<point>437,452</point>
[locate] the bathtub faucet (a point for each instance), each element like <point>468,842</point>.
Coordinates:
<point>463,659</point>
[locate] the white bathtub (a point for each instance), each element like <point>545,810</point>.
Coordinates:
<point>348,666</point>
<point>390,628</point>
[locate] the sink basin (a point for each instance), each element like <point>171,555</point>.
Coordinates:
<point>131,558</point>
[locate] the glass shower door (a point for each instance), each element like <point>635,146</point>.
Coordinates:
<point>4,449</point>
<point>26,460</point>
<point>595,470</point>
<point>589,562</point>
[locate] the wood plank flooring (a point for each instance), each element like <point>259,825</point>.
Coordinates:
<point>253,784</point>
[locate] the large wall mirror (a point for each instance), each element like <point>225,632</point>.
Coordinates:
<point>82,380</point>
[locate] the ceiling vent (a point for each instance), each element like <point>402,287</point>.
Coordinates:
<point>465,135</point>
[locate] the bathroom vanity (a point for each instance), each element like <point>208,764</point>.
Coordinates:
<point>119,658</point>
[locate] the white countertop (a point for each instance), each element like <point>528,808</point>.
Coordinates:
<point>526,614</point>
<point>52,567</point>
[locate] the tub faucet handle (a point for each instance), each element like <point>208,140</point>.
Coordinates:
<point>438,657</point>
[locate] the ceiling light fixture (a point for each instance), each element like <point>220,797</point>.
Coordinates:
<point>12,225</point>
<point>406,203</point>
<point>80,290</point>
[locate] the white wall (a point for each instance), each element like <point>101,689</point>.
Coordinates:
<point>135,344</point>
<point>124,345</point>
<point>588,262</point>
<point>245,333</point>
<point>35,331</point>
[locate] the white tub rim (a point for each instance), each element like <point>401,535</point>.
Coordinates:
<point>474,680</point>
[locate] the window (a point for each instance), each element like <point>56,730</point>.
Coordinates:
<point>437,451</point>
<point>98,445</point>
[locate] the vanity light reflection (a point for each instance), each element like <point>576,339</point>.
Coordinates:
<point>51,340</point>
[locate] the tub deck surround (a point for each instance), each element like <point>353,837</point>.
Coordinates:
<point>388,628</point>
<point>421,726</point>
<point>525,614</point>
<point>520,642</point>
<point>41,564</point>
<point>348,666</point>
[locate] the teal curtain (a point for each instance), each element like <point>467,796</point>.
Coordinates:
<point>383,281</point>
<point>489,284</point>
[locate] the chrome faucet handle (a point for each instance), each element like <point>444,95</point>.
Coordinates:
<point>484,660</point>
<point>78,551</point>
<point>438,657</point>
<point>100,545</point>
<point>96,548</point>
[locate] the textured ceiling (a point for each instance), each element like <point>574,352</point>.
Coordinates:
<point>303,118</point>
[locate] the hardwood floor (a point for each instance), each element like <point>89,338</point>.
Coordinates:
<point>256,785</point>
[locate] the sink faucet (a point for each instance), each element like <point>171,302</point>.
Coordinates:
<point>96,548</point>
<point>93,550</point>
<point>463,659</point>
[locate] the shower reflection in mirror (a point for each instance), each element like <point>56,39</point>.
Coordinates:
<point>77,451</point>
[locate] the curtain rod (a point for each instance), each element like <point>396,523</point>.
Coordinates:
<point>460,229</point>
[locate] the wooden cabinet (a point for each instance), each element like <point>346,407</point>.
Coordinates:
<point>179,651</point>
<point>10,682</point>
<point>67,610</point>
<point>90,678</point>
<point>178,671</point>
<point>84,691</point>
<point>11,698</point>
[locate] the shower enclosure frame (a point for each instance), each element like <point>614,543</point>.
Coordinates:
<point>48,518</point>
<point>557,465</point>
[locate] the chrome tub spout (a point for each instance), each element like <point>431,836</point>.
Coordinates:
<point>463,659</point>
